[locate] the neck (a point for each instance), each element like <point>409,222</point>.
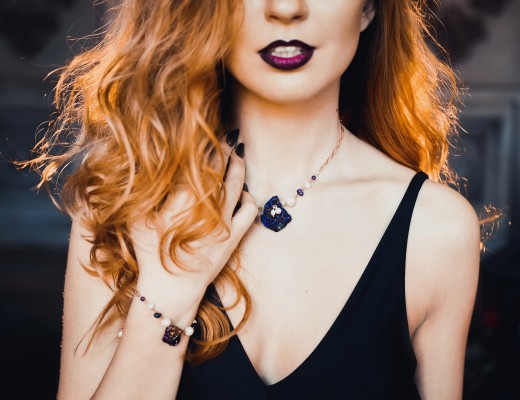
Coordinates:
<point>285,144</point>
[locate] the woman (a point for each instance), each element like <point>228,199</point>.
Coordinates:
<point>185,104</point>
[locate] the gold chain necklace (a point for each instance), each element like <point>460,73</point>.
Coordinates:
<point>273,214</point>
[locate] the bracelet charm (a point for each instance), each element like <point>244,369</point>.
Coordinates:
<point>172,333</point>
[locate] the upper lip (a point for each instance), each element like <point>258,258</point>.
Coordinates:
<point>278,43</point>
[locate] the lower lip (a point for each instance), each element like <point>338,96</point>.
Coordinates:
<point>290,63</point>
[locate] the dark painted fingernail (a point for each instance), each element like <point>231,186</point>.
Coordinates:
<point>237,207</point>
<point>245,188</point>
<point>231,137</point>
<point>240,150</point>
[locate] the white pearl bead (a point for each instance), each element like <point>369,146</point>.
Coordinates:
<point>307,185</point>
<point>278,210</point>
<point>189,331</point>
<point>151,306</point>
<point>166,322</point>
<point>291,201</point>
<point>273,212</point>
<point>120,333</point>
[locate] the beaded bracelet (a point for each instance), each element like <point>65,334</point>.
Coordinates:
<point>172,333</point>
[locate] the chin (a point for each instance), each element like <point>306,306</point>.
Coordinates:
<point>287,90</point>
<point>257,80</point>
<point>289,98</point>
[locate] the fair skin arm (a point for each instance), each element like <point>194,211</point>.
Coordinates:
<point>140,358</point>
<point>446,250</point>
<point>140,365</point>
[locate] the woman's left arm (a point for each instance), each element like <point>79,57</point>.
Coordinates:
<point>446,251</point>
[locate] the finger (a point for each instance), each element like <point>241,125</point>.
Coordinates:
<point>227,167</point>
<point>237,207</point>
<point>179,200</point>
<point>228,142</point>
<point>234,181</point>
<point>231,140</point>
<point>239,203</point>
<point>244,218</point>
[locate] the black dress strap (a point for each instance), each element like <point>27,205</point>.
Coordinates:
<point>410,197</point>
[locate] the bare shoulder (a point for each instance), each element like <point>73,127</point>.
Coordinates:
<point>442,270</point>
<point>443,260</point>
<point>447,212</point>
<point>444,230</point>
<point>444,243</point>
<point>444,223</point>
<point>444,237</point>
<point>443,219</point>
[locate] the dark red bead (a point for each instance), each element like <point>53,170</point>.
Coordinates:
<point>142,298</point>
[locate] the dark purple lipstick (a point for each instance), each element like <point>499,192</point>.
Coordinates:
<point>287,55</point>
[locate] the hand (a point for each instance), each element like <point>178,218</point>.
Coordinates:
<point>211,253</point>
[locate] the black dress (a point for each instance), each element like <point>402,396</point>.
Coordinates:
<point>366,354</point>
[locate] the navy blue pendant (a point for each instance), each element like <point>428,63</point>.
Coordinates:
<point>274,216</point>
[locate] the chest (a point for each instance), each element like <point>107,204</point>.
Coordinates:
<point>300,280</point>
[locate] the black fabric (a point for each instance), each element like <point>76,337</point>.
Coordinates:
<point>366,354</point>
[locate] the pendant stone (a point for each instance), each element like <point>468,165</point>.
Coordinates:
<point>274,216</point>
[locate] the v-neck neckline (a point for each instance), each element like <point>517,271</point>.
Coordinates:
<point>349,303</point>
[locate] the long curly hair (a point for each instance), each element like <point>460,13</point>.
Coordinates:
<point>143,111</point>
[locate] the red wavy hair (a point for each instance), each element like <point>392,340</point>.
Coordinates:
<point>145,109</point>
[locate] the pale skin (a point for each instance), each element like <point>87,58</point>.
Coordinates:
<point>288,133</point>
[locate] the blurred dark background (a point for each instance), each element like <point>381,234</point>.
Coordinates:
<point>482,37</point>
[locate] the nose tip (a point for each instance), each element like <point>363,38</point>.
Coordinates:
<point>286,11</point>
